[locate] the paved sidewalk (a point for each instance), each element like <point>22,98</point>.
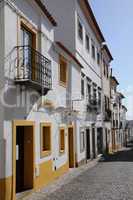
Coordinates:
<point>60,182</point>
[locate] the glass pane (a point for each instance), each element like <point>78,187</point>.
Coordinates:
<point>26,42</point>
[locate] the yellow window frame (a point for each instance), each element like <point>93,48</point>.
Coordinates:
<point>45,153</point>
<point>62,140</point>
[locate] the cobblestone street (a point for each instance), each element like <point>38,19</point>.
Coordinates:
<point>111,179</point>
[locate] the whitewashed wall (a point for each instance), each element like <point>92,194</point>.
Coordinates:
<point>37,19</point>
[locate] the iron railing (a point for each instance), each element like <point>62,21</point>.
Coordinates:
<point>93,104</point>
<point>32,66</point>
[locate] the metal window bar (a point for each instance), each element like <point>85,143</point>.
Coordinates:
<point>33,66</point>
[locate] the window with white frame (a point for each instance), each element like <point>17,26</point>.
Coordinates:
<point>104,67</point>
<point>80,30</point>
<point>99,96</point>
<point>98,57</point>
<point>87,42</point>
<point>93,49</point>
<point>82,140</point>
<point>82,85</point>
<point>89,90</point>
<point>94,91</point>
<point>107,72</point>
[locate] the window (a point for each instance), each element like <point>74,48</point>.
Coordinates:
<point>80,30</point>
<point>107,71</point>
<point>94,92</point>
<point>93,51</point>
<point>99,97</point>
<point>105,102</point>
<point>82,141</point>
<point>89,90</point>
<point>87,42</point>
<point>82,85</point>
<point>45,139</point>
<point>104,67</point>
<point>108,103</point>
<point>63,71</point>
<point>98,58</point>
<point>62,140</point>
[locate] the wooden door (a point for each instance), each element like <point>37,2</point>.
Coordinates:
<point>24,158</point>
<point>71,147</point>
<point>19,159</point>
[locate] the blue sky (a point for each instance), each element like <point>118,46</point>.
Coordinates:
<point>115,18</point>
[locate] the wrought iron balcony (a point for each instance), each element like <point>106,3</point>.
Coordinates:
<point>93,104</point>
<point>33,69</point>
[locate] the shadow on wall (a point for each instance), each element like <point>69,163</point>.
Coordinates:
<point>125,155</point>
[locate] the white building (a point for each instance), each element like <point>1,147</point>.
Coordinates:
<point>116,106</point>
<point>37,136</point>
<point>81,34</point>
<point>106,88</point>
<point>123,124</point>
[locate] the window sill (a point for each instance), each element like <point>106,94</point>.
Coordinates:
<point>62,152</point>
<point>45,153</point>
<point>63,84</point>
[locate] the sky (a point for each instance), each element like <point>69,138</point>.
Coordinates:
<point>115,18</point>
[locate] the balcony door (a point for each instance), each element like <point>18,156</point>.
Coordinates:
<point>28,54</point>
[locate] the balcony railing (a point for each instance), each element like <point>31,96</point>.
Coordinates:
<point>33,68</point>
<point>93,104</point>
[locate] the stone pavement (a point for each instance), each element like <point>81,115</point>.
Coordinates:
<point>111,179</point>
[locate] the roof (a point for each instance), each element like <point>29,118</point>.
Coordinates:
<point>46,12</point>
<point>114,79</point>
<point>121,95</point>
<point>108,51</point>
<point>85,6</point>
<point>69,53</point>
<point>124,107</point>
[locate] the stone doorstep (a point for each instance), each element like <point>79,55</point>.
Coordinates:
<point>21,195</point>
<point>58,183</point>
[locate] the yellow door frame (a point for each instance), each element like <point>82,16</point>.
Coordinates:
<point>16,123</point>
<point>73,127</point>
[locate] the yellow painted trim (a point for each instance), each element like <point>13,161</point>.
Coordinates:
<point>60,82</point>
<point>28,25</point>
<point>6,188</point>
<point>48,175</point>
<point>45,153</point>
<point>16,123</point>
<point>74,145</point>
<point>60,150</point>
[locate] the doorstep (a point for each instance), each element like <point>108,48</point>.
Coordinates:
<point>63,180</point>
<point>24,194</point>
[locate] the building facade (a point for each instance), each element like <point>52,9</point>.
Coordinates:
<point>56,94</point>
<point>37,137</point>
<point>81,34</point>
<point>123,125</point>
<point>107,113</point>
<point>118,116</point>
